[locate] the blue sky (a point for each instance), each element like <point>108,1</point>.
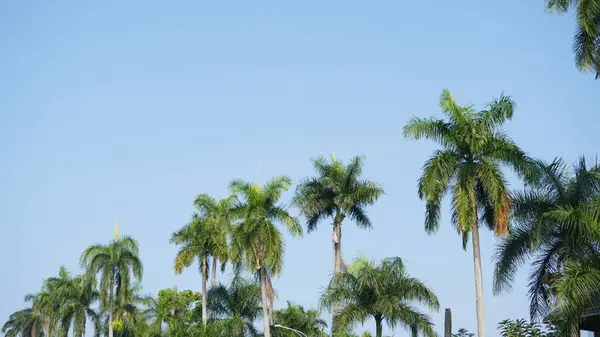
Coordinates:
<point>128,109</point>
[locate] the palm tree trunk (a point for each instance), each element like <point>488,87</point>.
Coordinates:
<point>448,323</point>
<point>337,261</point>
<point>481,330</point>
<point>378,327</point>
<point>214,272</point>
<point>204,277</point>
<point>47,328</point>
<point>263,295</point>
<point>111,295</point>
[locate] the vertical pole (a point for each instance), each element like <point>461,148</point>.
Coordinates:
<point>448,323</point>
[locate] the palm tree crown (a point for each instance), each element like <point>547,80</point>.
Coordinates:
<point>335,193</point>
<point>256,241</point>
<point>555,223</point>
<point>117,263</point>
<point>473,149</point>
<point>586,42</point>
<point>296,317</point>
<point>385,292</point>
<point>237,306</point>
<point>217,215</point>
<point>24,323</point>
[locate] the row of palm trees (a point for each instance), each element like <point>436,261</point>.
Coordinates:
<point>242,227</point>
<point>555,220</point>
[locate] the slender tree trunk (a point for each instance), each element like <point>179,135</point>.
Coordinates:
<point>214,272</point>
<point>47,328</point>
<point>378,327</point>
<point>263,295</point>
<point>204,278</point>
<point>111,300</point>
<point>448,323</point>
<point>337,261</point>
<point>481,330</point>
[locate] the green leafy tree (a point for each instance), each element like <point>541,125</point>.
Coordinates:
<point>462,332</point>
<point>469,166</point>
<point>171,307</point>
<point>296,317</point>
<point>77,297</point>
<point>117,263</point>
<point>130,319</point>
<point>336,193</point>
<point>218,215</point>
<point>24,323</point>
<point>586,42</point>
<point>236,307</point>
<point>256,240</point>
<point>195,241</point>
<point>555,221</point>
<point>522,328</point>
<point>385,292</point>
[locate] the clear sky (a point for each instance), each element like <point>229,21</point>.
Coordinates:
<point>128,109</point>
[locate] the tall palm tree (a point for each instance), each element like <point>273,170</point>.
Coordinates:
<point>586,42</point>
<point>337,192</point>
<point>469,165</point>
<point>218,214</point>
<point>48,302</point>
<point>296,317</point>
<point>80,298</point>
<point>385,292</point>
<point>117,263</point>
<point>236,306</point>
<point>554,221</point>
<point>256,241</point>
<point>195,241</point>
<point>24,323</point>
<point>73,301</point>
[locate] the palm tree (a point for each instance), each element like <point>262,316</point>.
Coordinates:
<point>336,193</point>
<point>474,148</point>
<point>116,263</point>
<point>48,303</point>
<point>195,240</point>
<point>295,317</point>
<point>385,292</point>
<point>256,241</point>
<point>553,223</point>
<point>218,214</point>
<point>24,323</point>
<point>586,44</point>
<point>130,315</point>
<point>74,298</point>
<point>237,306</point>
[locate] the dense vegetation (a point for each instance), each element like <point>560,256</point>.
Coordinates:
<point>554,221</point>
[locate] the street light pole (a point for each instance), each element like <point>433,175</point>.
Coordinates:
<point>299,333</point>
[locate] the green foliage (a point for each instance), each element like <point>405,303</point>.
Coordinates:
<point>117,263</point>
<point>468,165</point>
<point>236,307</point>
<point>385,292</point>
<point>586,41</point>
<point>336,192</point>
<point>522,328</point>
<point>462,332</point>
<point>296,317</point>
<point>557,225</point>
<point>66,302</point>
<point>256,241</point>
<point>24,323</point>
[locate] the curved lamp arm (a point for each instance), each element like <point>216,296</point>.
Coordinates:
<point>299,333</point>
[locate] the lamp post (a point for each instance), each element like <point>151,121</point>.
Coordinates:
<point>299,333</point>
